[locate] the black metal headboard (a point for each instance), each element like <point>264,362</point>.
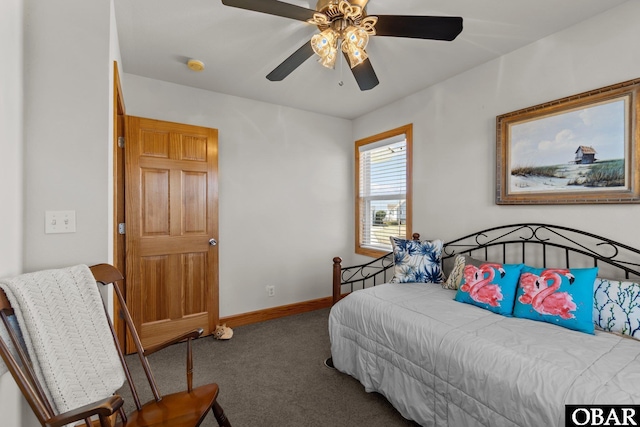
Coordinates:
<point>537,245</point>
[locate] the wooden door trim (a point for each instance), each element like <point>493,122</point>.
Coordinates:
<point>119,199</point>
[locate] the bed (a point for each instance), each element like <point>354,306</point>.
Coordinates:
<point>446,363</point>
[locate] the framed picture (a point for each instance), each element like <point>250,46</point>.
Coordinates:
<point>580,149</point>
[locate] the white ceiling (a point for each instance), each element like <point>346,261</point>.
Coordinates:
<point>240,47</point>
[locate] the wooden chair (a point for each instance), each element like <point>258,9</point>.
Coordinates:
<point>183,409</point>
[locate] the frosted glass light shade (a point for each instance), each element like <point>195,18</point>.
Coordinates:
<point>357,37</point>
<point>356,55</point>
<point>329,60</point>
<point>325,46</point>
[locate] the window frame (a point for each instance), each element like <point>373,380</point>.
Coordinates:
<point>407,130</point>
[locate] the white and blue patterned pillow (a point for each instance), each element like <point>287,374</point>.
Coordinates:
<point>417,262</point>
<point>616,307</point>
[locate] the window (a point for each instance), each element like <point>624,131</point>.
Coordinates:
<point>383,190</point>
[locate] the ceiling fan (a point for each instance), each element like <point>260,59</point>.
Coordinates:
<point>344,25</point>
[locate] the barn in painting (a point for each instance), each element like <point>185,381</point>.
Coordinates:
<point>585,155</point>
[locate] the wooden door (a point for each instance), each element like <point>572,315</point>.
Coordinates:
<point>171,215</point>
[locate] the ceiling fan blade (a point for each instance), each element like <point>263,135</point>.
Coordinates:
<point>273,7</point>
<point>364,74</point>
<point>419,27</point>
<point>291,63</point>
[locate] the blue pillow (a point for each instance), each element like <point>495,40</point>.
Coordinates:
<point>563,297</point>
<point>490,286</point>
<point>417,262</point>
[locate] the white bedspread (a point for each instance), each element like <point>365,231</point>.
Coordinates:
<point>445,363</point>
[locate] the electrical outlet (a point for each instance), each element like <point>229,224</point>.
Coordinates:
<point>271,290</point>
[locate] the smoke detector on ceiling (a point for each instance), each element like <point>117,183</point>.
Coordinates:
<point>195,65</point>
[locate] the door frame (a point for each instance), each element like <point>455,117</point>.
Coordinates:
<point>120,128</point>
<point>119,200</point>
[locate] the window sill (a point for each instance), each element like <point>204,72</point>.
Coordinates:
<point>371,252</point>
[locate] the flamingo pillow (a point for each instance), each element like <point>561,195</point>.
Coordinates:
<point>563,297</point>
<point>490,286</point>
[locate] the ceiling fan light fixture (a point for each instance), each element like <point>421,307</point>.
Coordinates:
<point>357,37</point>
<point>356,55</point>
<point>329,60</point>
<point>325,45</point>
<point>344,23</point>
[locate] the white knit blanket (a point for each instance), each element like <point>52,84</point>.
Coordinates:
<point>65,329</point>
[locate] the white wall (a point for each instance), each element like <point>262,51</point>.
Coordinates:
<point>66,76</point>
<point>114,55</point>
<point>55,122</point>
<point>11,121</point>
<point>454,128</point>
<point>284,184</point>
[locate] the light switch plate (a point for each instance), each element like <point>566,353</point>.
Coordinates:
<point>59,222</point>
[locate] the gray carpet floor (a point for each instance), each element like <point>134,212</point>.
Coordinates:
<point>272,374</point>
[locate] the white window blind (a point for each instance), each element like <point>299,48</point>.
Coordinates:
<point>383,192</point>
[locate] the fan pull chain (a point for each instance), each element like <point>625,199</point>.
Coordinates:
<point>341,82</point>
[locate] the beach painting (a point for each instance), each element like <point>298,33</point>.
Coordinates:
<point>584,148</point>
<point>578,150</point>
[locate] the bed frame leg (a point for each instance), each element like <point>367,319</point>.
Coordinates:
<point>337,280</point>
<point>329,363</point>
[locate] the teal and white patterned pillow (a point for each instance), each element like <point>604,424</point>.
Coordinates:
<point>417,262</point>
<point>616,307</point>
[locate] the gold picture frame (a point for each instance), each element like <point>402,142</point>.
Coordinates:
<point>576,150</point>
